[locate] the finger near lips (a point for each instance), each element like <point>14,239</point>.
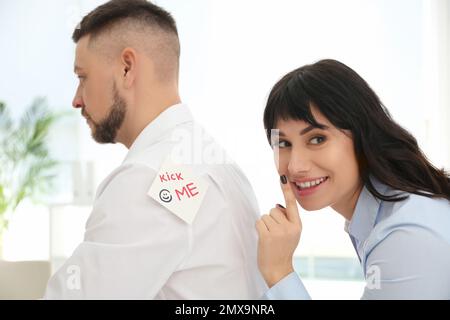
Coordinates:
<point>280,215</point>
<point>291,202</point>
<point>288,194</point>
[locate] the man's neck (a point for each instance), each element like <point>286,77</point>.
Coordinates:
<point>143,115</point>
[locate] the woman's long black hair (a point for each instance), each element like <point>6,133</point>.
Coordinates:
<point>382,147</point>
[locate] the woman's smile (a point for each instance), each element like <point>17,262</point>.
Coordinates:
<point>306,188</point>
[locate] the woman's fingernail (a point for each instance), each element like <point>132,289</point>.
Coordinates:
<point>280,206</point>
<point>283,179</point>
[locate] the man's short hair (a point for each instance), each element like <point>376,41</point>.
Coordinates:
<point>141,21</point>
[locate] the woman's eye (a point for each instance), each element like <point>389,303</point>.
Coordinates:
<point>281,144</point>
<point>317,140</point>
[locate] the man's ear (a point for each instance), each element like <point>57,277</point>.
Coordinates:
<point>128,67</point>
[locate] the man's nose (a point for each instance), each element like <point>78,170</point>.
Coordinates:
<point>77,102</point>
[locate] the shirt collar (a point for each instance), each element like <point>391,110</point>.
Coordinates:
<point>366,212</point>
<point>164,122</point>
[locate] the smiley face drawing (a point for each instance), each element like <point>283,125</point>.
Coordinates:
<point>165,195</point>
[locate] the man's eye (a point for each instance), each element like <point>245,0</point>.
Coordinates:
<point>318,140</point>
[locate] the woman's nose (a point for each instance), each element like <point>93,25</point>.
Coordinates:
<point>298,163</point>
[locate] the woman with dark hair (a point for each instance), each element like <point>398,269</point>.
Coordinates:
<point>335,144</point>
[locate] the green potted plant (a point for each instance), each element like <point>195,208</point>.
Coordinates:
<point>26,169</point>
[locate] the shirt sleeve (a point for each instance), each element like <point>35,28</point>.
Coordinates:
<point>411,262</point>
<point>131,245</point>
<point>288,288</point>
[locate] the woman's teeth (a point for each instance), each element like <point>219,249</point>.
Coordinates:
<point>309,184</point>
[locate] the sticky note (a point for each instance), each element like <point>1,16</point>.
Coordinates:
<point>178,189</point>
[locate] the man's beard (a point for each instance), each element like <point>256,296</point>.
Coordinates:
<point>106,130</point>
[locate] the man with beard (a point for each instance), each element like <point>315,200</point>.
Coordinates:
<point>166,224</point>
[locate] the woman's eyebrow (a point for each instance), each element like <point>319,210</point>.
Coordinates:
<point>308,129</point>
<point>278,132</point>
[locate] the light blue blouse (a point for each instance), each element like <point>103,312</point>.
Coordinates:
<point>403,247</point>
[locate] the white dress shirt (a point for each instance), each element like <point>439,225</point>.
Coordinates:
<point>135,248</point>
<point>403,247</point>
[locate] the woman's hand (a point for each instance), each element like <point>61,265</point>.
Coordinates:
<point>279,234</point>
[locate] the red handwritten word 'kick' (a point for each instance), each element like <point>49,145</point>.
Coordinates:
<point>187,190</point>
<point>170,177</point>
